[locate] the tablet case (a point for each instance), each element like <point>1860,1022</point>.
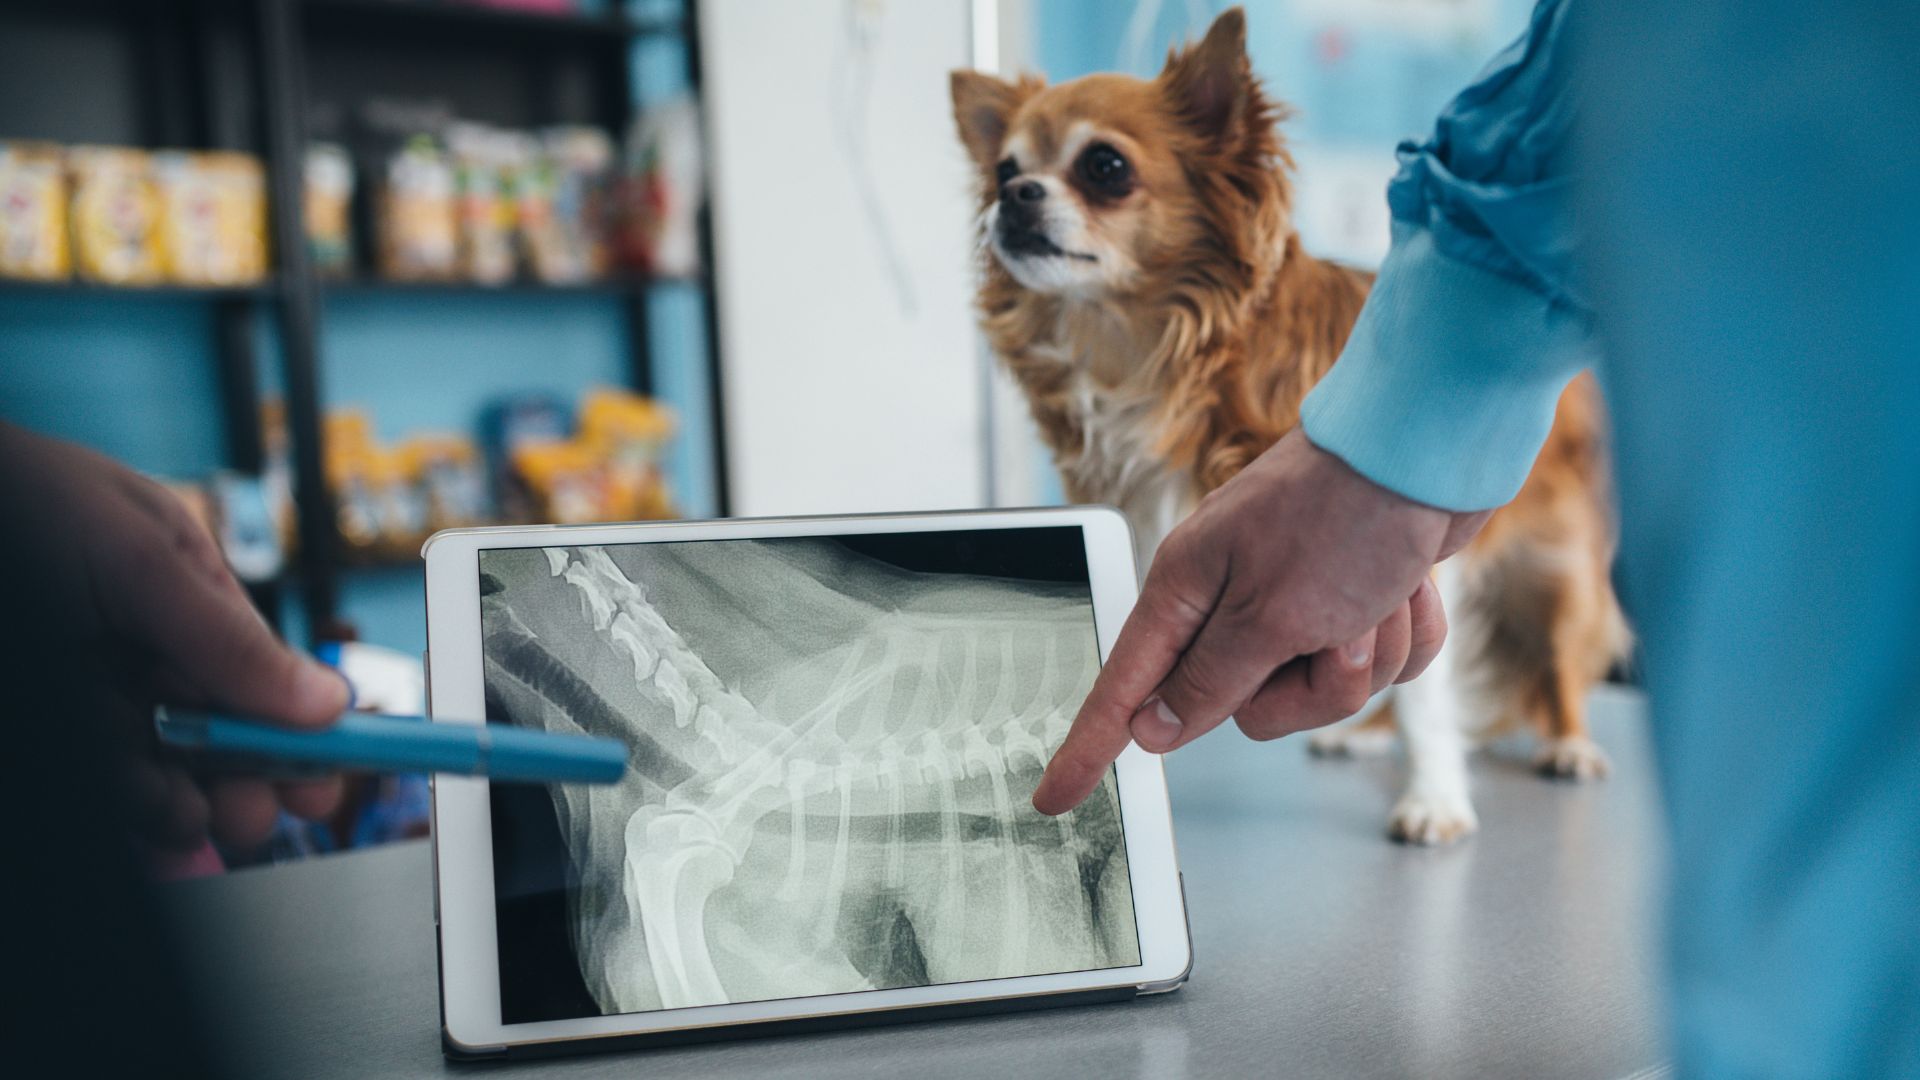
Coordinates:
<point>796,1025</point>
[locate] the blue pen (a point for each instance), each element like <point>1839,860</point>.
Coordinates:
<point>363,741</point>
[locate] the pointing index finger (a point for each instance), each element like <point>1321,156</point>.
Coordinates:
<point>1163,624</point>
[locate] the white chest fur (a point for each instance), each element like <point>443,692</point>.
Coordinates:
<point>1117,459</point>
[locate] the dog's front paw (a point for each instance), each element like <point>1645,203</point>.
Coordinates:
<point>1432,818</point>
<point>1350,740</point>
<point>1573,758</point>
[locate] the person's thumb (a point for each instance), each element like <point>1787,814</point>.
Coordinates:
<point>239,664</point>
<point>183,608</point>
<point>310,694</point>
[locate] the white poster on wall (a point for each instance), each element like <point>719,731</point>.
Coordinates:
<point>1340,200</point>
<point>842,216</point>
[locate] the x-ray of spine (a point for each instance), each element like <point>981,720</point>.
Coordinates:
<point>831,764</point>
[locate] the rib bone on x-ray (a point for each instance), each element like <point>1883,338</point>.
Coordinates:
<point>831,765</point>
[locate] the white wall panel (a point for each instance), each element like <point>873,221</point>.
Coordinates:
<point>848,388</point>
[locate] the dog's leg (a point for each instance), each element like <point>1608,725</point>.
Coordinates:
<point>1567,752</point>
<point>1435,808</point>
<point>1584,631</point>
<point>1367,733</point>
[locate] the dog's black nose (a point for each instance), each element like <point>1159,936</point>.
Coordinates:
<point>1026,191</point>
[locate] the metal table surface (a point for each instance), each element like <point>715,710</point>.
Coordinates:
<point>1321,948</point>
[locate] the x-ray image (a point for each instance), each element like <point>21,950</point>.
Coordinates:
<point>833,745</point>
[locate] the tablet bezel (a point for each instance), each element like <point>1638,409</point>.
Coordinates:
<point>462,816</point>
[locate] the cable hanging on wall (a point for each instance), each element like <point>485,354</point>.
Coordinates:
<point>851,87</point>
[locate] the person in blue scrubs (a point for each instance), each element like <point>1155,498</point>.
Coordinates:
<point>1729,233</point>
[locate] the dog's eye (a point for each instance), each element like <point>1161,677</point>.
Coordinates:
<point>1104,168</point>
<point>1005,171</point>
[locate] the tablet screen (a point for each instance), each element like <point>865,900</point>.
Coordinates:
<point>833,742</point>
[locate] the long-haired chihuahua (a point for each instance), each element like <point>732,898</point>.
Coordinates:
<point>1142,281</point>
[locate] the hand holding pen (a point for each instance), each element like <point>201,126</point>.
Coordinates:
<point>142,591</point>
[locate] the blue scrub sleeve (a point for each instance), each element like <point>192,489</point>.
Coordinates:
<point>1446,390</point>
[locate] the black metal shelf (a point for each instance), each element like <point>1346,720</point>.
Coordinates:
<point>610,286</point>
<point>164,290</point>
<point>466,19</point>
<point>251,74</point>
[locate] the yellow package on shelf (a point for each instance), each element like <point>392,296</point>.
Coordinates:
<point>566,481</point>
<point>213,217</point>
<point>628,433</point>
<point>115,216</point>
<point>33,212</point>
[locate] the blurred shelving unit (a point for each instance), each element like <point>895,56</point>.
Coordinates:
<point>251,75</point>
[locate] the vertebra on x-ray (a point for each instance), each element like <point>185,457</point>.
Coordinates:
<point>831,764</point>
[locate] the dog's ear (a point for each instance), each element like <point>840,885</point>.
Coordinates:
<point>982,106</point>
<point>1211,85</point>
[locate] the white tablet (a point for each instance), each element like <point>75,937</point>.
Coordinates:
<point>835,727</point>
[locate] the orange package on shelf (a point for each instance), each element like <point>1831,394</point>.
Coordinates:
<point>566,480</point>
<point>629,434</point>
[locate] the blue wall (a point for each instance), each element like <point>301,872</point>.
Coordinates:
<point>133,377</point>
<point>1350,80</point>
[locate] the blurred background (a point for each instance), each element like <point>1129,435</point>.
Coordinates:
<point>343,272</point>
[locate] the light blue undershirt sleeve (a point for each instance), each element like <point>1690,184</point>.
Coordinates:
<point>1446,389</point>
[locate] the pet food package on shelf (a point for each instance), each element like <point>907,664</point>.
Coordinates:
<point>233,509</point>
<point>349,443</point>
<point>660,192</point>
<point>601,465</point>
<point>115,215</point>
<point>418,219</point>
<point>391,497</point>
<point>380,509</point>
<point>629,434</point>
<point>486,166</point>
<point>33,212</point>
<point>533,195</point>
<point>213,217</point>
<point>447,469</point>
<point>276,472</point>
<point>329,209</point>
<point>508,426</point>
<point>400,507</point>
<point>249,530</point>
<point>565,232</point>
<point>565,481</point>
